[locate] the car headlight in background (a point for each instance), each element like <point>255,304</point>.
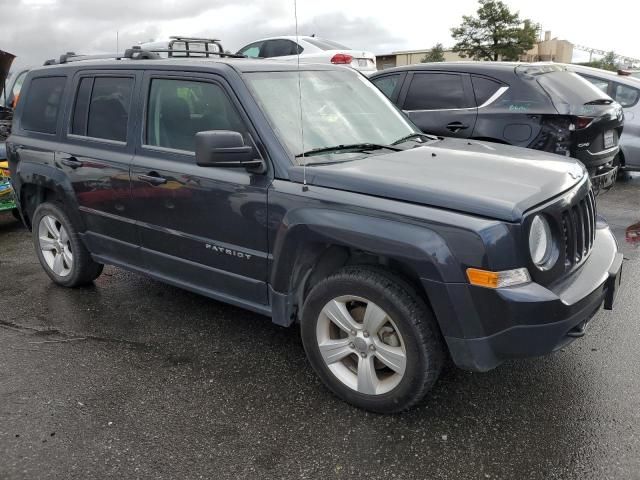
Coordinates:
<point>544,253</point>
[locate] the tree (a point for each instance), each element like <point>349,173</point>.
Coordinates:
<point>608,62</point>
<point>436,54</point>
<point>495,34</point>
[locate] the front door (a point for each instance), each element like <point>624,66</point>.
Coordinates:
<point>203,228</point>
<point>441,103</point>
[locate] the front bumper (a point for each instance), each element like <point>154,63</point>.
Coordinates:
<point>487,327</point>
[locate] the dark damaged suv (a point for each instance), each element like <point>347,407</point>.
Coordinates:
<point>539,105</point>
<point>323,206</point>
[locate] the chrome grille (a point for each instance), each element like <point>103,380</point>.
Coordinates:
<point>579,228</point>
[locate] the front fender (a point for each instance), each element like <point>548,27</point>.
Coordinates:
<point>305,231</point>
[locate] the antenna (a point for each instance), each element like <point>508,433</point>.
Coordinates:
<point>304,160</point>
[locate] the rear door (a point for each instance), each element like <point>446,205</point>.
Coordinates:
<point>96,154</point>
<point>440,103</point>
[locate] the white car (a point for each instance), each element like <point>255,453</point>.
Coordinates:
<point>311,50</point>
<point>626,91</point>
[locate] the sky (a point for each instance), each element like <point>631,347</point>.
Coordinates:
<point>36,30</point>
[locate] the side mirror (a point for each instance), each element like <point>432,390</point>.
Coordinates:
<point>224,148</point>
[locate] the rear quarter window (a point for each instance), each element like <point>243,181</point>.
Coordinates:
<point>484,88</point>
<point>387,84</point>
<point>42,104</point>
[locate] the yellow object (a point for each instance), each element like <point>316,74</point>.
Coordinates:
<point>482,278</point>
<point>507,278</point>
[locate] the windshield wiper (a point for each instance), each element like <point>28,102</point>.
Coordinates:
<point>355,147</point>
<point>414,135</point>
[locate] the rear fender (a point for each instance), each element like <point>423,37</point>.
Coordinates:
<point>45,178</point>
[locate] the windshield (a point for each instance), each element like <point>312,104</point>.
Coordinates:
<point>338,108</point>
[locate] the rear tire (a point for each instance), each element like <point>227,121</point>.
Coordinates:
<point>383,356</point>
<point>60,250</point>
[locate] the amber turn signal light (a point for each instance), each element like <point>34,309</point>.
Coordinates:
<point>489,279</point>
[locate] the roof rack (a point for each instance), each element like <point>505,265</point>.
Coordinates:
<point>139,52</point>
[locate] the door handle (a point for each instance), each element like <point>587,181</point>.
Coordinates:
<point>457,126</point>
<point>72,162</point>
<point>153,178</point>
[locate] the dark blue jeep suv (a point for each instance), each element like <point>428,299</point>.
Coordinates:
<point>307,196</point>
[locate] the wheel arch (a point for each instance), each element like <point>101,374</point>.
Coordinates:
<point>317,243</point>
<point>37,183</point>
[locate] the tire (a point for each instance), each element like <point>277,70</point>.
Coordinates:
<point>410,329</point>
<point>60,250</point>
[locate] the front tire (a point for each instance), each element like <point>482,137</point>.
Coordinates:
<point>372,339</point>
<point>59,248</point>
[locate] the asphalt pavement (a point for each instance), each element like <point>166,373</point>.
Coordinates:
<point>131,378</point>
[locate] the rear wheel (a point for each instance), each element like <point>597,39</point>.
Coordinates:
<point>59,248</point>
<point>372,340</point>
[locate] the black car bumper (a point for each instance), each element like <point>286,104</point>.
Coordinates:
<point>532,320</point>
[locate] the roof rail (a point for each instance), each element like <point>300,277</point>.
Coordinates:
<point>74,57</point>
<point>139,52</point>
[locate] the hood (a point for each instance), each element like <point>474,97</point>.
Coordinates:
<point>6,59</point>
<point>481,178</point>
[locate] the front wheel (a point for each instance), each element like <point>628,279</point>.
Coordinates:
<point>372,340</point>
<point>59,248</point>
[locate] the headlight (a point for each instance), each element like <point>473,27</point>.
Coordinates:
<point>544,252</point>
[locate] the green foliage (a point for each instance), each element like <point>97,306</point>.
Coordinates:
<point>436,54</point>
<point>495,34</point>
<point>608,62</point>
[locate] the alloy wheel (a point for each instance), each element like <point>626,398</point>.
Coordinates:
<point>55,245</point>
<point>361,345</point>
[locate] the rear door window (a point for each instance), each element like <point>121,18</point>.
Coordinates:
<point>42,104</point>
<point>101,108</point>
<point>626,96</point>
<point>484,89</point>
<point>387,84</point>
<point>279,48</point>
<point>436,91</point>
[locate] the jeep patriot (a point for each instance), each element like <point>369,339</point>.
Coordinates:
<point>305,195</point>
